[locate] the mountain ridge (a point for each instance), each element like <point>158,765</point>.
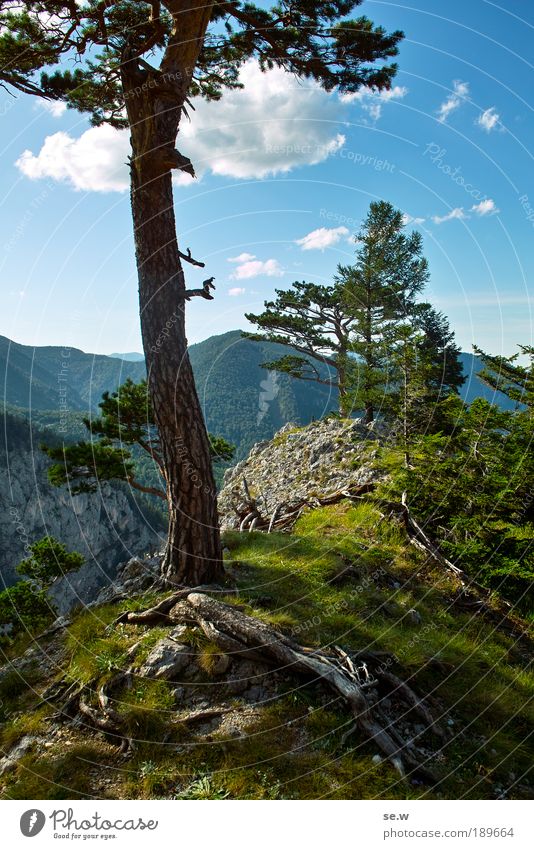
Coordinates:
<point>58,381</point>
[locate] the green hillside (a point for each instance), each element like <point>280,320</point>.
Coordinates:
<point>52,377</point>
<point>241,401</point>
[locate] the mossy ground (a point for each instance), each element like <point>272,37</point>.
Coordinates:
<point>471,673</point>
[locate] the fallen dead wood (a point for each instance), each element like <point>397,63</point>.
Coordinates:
<point>285,514</point>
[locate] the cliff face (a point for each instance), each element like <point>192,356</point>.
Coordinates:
<point>107,527</point>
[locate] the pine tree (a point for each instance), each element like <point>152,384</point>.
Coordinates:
<point>424,369</point>
<point>127,421</point>
<point>136,65</point>
<point>379,291</point>
<point>313,321</point>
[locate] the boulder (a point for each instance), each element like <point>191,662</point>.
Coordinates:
<point>166,660</point>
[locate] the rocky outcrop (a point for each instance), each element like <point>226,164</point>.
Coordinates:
<point>300,465</point>
<point>107,526</point>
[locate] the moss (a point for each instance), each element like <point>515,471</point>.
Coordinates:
<point>56,775</point>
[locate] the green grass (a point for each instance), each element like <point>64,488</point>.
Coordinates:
<point>468,670</point>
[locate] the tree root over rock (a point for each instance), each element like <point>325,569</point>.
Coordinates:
<point>236,633</point>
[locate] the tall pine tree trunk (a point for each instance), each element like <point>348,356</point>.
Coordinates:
<point>154,105</point>
<point>193,554</point>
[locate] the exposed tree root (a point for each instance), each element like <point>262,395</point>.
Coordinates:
<point>286,514</point>
<point>236,633</point>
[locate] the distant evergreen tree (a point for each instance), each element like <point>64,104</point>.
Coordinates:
<point>26,605</point>
<point>379,291</point>
<point>49,559</point>
<point>425,369</point>
<point>344,327</point>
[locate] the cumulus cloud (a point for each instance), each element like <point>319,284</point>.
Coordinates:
<point>322,238</point>
<point>489,120</point>
<point>94,162</point>
<point>257,268</point>
<point>372,100</point>
<point>56,108</point>
<point>460,92</point>
<point>455,214</point>
<point>241,258</point>
<point>485,207</point>
<point>236,291</point>
<point>272,125</point>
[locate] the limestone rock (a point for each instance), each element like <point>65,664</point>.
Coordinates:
<point>301,464</point>
<point>166,660</point>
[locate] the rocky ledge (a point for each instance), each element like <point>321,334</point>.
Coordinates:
<point>299,466</point>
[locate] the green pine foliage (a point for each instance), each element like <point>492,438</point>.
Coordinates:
<point>123,442</point>
<point>49,559</point>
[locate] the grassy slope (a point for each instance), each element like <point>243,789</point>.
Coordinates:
<point>471,673</point>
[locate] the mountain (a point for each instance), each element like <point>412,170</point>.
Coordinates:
<point>245,403</point>
<point>475,388</point>
<point>241,401</point>
<point>56,378</point>
<point>107,526</point>
<point>131,357</point>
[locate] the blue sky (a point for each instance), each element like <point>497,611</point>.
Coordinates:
<point>286,175</point>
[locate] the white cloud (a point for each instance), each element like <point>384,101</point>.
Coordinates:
<point>56,108</point>
<point>236,291</point>
<point>454,101</point>
<point>372,100</point>
<point>322,238</point>
<point>257,268</point>
<point>456,214</point>
<point>241,258</point>
<point>410,219</point>
<point>95,162</point>
<point>272,125</point>
<point>489,120</point>
<point>485,207</point>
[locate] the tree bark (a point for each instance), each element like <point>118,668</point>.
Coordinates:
<point>154,104</point>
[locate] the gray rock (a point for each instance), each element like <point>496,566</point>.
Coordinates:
<point>413,616</point>
<point>104,526</point>
<point>300,464</point>
<point>166,660</point>
<point>23,747</point>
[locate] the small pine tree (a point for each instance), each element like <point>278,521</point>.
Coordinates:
<point>127,421</point>
<point>49,560</point>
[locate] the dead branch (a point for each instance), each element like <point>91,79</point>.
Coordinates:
<point>188,258</point>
